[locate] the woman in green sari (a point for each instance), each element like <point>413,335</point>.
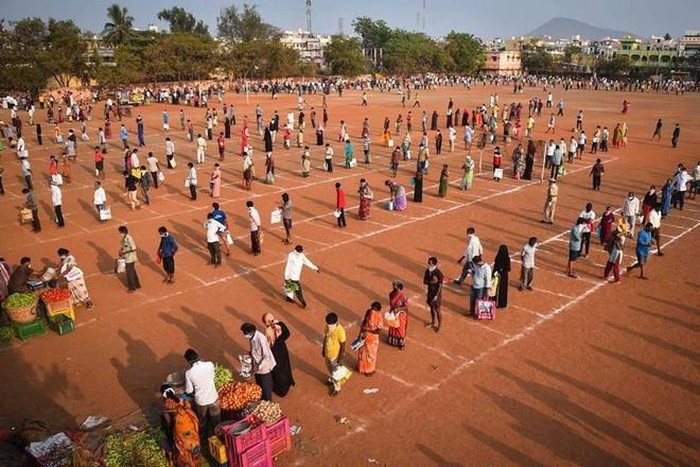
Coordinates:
<point>444,180</point>
<point>468,176</point>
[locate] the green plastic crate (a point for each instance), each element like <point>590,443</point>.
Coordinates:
<point>62,324</point>
<point>29,330</point>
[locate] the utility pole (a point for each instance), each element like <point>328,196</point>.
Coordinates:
<point>308,16</point>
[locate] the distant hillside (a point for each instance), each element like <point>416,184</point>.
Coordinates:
<point>560,28</point>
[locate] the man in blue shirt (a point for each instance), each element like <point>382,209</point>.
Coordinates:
<point>644,239</point>
<point>481,282</point>
<point>575,245</point>
<point>166,252</point>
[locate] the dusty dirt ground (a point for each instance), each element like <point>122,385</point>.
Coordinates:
<point>576,372</point>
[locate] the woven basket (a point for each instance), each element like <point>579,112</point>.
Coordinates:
<point>22,315</point>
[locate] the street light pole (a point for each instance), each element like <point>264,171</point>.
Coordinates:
<point>247,101</point>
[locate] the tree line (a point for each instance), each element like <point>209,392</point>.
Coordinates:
<point>34,52</point>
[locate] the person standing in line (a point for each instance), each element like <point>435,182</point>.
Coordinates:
<point>499,276</point>
<point>550,204</point>
<point>263,359</point>
<point>201,149</point>
<point>614,257</point>
<point>366,197</point>
<point>527,268</point>
<point>124,135</point>
<point>557,159</point>
<point>145,184</point>
<point>655,221</point>
<point>657,131</point>
<point>215,181</point>
<point>131,187</point>
<point>433,279</point>
<point>328,158</point>
<point>596,172</point>
<point>255,229</point>
<point>214,230</point>
<point>191,181</point>
<point>199,379</point>
<point>296,260</point>
<point>127,251</point>
<point>630,211</point>
<point>340,205</point>
<point>333,349</point>
<point>644,242</point>
<point>99,164</point>
<point>139,131</point>
<point>39,138</point>
<point>153,168</point>
<point>99,197</point>
<point>277,333</point>
<point>588,215</point>
<point>573,146</point>
<point>221,145</point>
<point>57,201</point>
<point>676,134</point>
<point>166,252</point>
<point>581,145</point>
<point>31,203</point>
<point>369,333</point>
<point>472,250</point>
<point>27,172</point>
<point>286,208</point>
<point>481,283</point>
<point>574,246</point>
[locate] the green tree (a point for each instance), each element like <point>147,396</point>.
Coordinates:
<point>125,70</point>
<point>411,52</point>
<point>374,34</point>
<point>343,56</point>
<point>244,25</point>
<point>538,62</point>
<point>617,66</point>
<point>570,51</point>
<point>178,57</point>
<point>466,52</point>
<point>120,27</point>
<point>182,21</point>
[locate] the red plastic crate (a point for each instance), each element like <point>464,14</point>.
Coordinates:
<point>258,455</point>
<point>236,446</point>
<point>279,436</point>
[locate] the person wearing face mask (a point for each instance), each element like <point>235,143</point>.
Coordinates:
<point>166,254</point>
<point>75,277</point>
<point>333,349</point>
<point>433,279</point>
<point>630,210</point>
<point>263,359</point>
<point>277,334</point>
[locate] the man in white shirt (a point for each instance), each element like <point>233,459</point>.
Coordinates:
<point>549,154</point>
<point>481,282</point>
<point>255,228</point>
<point>27,172</point>
<point>581,144</point>
<point>681,185</point>
<point>99,197</point>
<point>191,181</point>
<point>472,250</point>
<point>22,148</point>
<point>573,145</point>
<point>263,360</point>
<point>152,165</point>
<point>296,260</point>
<point>199,379</point>
<point>630,210</point>
<point>57,201</point>
<point>214,230</point>
<point>201,148</point>
<point>170,153</point>
<point>527,268</point>
<point>655,221</point>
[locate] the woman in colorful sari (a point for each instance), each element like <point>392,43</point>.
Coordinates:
<point>277,334</point>
<point>215,181</point>
<point>398,195</point>
<point>367,355</point>
<point>244,140</point>
<point>366,197</point>
<point>607,225</point>
<point>444,181</point>
<point>468,174</point>
<point>181,429</point>
<point>624,133</point>
<point>398,304</point>
<point>75,277</point>
<point>666,197</point>
<point>617,136</point>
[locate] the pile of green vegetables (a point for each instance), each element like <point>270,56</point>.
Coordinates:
<point>138,449</point>
<point>6,333</point>
<point>222,376</point>
<point>18,300</point>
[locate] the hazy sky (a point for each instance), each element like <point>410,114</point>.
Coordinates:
<point>486,18</point>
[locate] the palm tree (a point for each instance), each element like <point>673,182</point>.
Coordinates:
<point>120,26</point>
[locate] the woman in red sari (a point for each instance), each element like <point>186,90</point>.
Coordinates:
<point>607,225</point>
<point>367,355</point>
<point>366,196</point>
<point>398,304</point>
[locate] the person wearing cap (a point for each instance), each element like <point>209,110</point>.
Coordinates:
<point>550,204</point>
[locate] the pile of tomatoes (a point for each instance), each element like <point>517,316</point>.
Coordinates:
<point>55,295</point>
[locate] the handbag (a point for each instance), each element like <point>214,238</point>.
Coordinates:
<point>353,162</point>
<point>276,216</point>
<point>187,183</point>
<point>392,319</point>
<point>390,143</point>
<point>493,290</point>
<point>173,164</point>
<point>357,344</point>
<point>120,266</point>
<point>105,213</point>
<point>161,177</point>
<point>341,374</point>
<point>229,238</point>
<point>485,309</point>
<point>497,173</point>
